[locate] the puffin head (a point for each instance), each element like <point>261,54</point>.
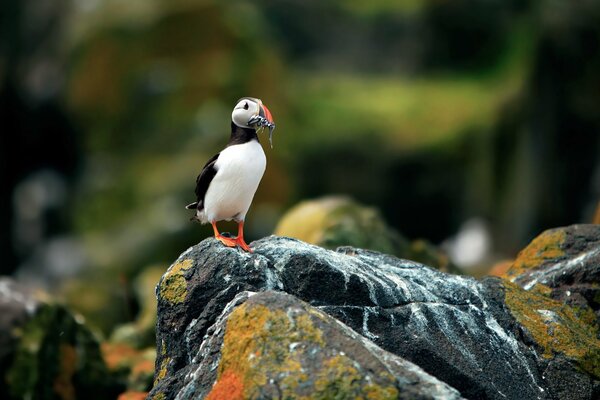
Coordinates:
<point>250,112</point>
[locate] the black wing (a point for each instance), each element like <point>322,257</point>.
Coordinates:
<point>203,181</point>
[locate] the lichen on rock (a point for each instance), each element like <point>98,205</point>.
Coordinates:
<point>547,246</point>
<point>173,286</point>
<point>350,312</point>
<point>285,348</point>
<point>556,327</point>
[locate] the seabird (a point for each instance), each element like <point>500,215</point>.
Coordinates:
<point>226,186</point>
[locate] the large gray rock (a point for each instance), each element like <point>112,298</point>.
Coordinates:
<point>271,345</point>
<point>466,333</point>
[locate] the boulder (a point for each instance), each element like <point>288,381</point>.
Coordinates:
<point>46,352</point>
<point>564,263</point>
<point>273,345</point>
<point>335,221</point>
<point>487,339</point>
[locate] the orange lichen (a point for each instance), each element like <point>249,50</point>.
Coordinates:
<point>63,383</point>
<point>228,387</point>
<point>546,246</point>
<point>500,268</point>
<point>262,346</point>
<point>556,327</point>
<point>133,396</point>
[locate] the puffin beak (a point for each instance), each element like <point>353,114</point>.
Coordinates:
<point>264,118</point>
<point>270,124</point>
<point>264,112</point>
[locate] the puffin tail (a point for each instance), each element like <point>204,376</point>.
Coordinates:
<point>192,206</point>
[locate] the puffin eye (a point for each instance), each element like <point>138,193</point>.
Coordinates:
<point>246,106</point>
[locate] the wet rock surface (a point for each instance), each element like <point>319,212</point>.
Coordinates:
<point>487,339</point>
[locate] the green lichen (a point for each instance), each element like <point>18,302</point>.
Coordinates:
<point>262,346</point>
<point>162,372</point>
<point>173,286</point>
<point>557,328</point>
<point>547,246</point>
<point>339,380</point>
<point>159,396</point>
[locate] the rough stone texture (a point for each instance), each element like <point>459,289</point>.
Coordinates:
<point>488,339</point>
<point>46,353</point>
<point>560,270</point>
<point>272,345</point>
<point>566,260</point>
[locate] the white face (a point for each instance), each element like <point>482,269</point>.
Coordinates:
<point>245,109</point>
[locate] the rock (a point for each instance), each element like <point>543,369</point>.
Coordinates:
<point>560,271</point>
<point>46,352</point>
<point>475,336</point>
<point>335,221</point>
<point>272,345</point>
<point>564,263</point>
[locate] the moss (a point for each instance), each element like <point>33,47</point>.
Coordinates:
<point>173,286</point>
<point>546,246</point>
<point>159,396</point>
<point>264,347</point>
<point>557,328</point>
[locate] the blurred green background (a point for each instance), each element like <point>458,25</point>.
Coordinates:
<point>474,124</point>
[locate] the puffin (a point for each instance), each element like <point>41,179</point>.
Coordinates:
<point>227,184</point>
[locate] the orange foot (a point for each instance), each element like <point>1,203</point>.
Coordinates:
<point>242,243</point>
<point>229,242</point>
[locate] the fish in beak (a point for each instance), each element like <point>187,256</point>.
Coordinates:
<point>263,119</point>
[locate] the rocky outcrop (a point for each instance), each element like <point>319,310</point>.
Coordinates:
<point>422,329</point>
<point>46,352</point>
<point>272,345</point>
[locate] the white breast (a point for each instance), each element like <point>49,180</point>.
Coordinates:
<point>239,171</point>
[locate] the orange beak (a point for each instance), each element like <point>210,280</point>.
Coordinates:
<point>267,113</point>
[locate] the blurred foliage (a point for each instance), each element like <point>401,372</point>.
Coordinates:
<point>431,111</point>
